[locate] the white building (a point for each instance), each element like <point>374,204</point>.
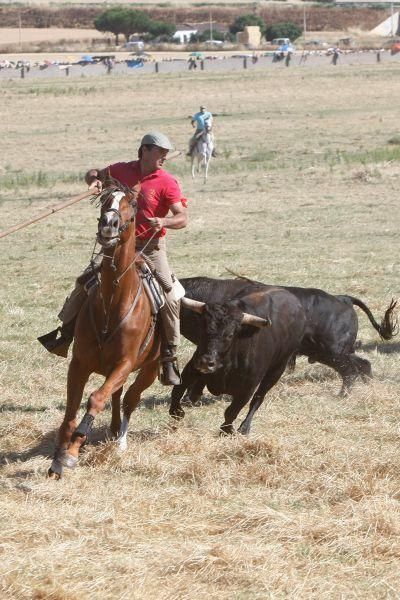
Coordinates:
<point>183,36</point>
<point>389,27</point>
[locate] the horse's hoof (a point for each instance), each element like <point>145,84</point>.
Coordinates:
<point>53,475</point>
<point>56,468</point>
<point>122,445</point>
<point>68,461</point>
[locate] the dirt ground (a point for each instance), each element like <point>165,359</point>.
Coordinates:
<point>304,192</point>
<point>10,35</point>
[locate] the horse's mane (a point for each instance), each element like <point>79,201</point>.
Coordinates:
<point>113,185</point>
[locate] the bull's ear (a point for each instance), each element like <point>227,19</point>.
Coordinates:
<point>194,305</point>
<point>256,321</point>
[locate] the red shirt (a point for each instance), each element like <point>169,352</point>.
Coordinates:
<point>159,190</point>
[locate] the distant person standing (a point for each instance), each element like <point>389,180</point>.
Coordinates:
<point>378,56</point>
<point>288,58</point>
<point>109,64</point>
<point>335,56</point>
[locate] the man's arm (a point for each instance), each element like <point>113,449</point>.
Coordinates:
<point>178,220</point>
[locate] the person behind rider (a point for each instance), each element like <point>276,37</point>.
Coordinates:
<point>200,120</point>
<point>161,206</point>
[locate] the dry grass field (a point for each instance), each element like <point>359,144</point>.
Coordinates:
<point>305,191</point>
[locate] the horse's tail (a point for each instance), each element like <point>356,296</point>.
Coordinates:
<point>389,324</point>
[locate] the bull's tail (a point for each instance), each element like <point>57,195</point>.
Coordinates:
<point>389,324</point>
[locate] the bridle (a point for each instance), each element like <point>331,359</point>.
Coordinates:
<point>103,199</point>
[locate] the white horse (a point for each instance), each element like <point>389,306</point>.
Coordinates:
<point>202,151</point>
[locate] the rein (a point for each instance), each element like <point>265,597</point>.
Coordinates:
<point>118,279</point>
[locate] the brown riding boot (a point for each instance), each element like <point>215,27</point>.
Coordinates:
<point>170,373</point>
<point>59,344</point>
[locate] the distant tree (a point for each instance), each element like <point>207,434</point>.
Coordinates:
<point>288,30</point>
<point>113,20</point>
<point>123,21</point>
<point>159,28</point>
<point>139,22</point>
<point>216,35</point>
<point>240,23</point>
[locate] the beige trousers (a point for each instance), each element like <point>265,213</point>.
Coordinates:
<point>157,252</point>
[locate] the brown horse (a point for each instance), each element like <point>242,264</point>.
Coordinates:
<point>115,333</point>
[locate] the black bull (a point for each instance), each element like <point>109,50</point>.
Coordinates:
<point>328,337</point>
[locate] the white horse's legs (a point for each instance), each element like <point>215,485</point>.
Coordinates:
<point>207,162</point>
<point>202,154</point>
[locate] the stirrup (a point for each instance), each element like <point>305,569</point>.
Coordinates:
<point>55,345</point>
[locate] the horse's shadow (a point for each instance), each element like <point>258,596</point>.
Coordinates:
<point>44,448</point>
<point>99,435</point>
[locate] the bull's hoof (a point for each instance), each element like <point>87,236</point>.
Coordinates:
<point>226,430</point>
<point>244,431</point>
<point>177,414</point>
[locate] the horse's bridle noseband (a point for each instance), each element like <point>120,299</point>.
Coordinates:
<point>121,228</point>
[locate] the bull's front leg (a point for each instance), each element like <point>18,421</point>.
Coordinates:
<point>189,376</point>
<point>95,405</point>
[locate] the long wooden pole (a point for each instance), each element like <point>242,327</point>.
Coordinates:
<point>47,213</point>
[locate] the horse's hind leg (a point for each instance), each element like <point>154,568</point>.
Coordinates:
<point>77,378</point>
<point>116,413</point>
<point>145,378</point>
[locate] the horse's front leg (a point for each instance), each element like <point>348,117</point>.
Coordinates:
<point>145,378</point>
<point>95,405</point>
<point>193,165</point>
<point>77,378</point>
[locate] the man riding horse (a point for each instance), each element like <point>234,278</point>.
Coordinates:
<point>201,120</point>
<point>160,194</point>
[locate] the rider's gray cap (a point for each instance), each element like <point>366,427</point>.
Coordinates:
<point>202,106</point>
<point>157,139</point>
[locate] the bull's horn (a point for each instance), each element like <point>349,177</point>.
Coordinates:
<point>255,321</point>
<point>193,304</point>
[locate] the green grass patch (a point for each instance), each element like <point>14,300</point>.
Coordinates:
<point>376,155</point>
<point>40,179</point>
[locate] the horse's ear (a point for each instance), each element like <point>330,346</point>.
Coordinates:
<point>108,179</point>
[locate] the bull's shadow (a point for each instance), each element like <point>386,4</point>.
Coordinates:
<point>381,348</point>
